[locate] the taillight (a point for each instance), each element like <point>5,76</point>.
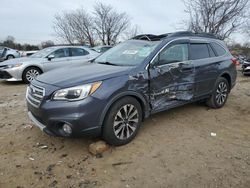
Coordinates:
<point>235,61</point>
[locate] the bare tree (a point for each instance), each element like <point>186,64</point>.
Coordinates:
<point>132,32</point>
<point>75,26</point>
<point>109,24</point>
<point>219,17</point>
<point>63,27</point>
<point>82,23</point>
<point>47,43</point>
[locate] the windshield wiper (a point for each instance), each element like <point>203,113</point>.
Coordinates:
<point>107,63</point>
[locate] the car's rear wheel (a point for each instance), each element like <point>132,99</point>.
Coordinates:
<point>122,121</point>
<point>10,57</point>
<point>30,73</point>
<point>220,94</point>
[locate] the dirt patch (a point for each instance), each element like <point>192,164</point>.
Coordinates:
<point>173,148</point>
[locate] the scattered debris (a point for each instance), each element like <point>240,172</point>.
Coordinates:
<point>98,147</point>
<point>64,155</point>
<point>53,184</point>
<point>68,176</point>
<point>85,158</point>
<point>38,173</point>
<point>121,163</point>
<point>59,162</point>
<point>98,155</point>
<point>50,168</point>
<point>28,126</point>
<point>44,147</point>
<point>213,134</point>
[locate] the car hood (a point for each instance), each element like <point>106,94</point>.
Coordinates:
<point>82,74</point>
<point>19,60</point>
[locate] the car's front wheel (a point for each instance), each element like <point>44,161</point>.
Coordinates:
<point>220,93</point>
<point>30,73</point>
<point>122,121</point>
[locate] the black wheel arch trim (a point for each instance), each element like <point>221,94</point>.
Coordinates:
<point>143,102</point>
<point>230,78</point>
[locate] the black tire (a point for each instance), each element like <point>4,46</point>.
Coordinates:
<point>126,125</point>
<point>10,57</point>
<point>220,94</point>
<point>29,70</point>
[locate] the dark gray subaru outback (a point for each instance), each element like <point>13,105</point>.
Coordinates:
<point>111,96</point>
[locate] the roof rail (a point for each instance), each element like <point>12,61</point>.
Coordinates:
<point>151,37</point>
<point>189,33</point>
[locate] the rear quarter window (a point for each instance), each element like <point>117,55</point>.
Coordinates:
<point>199,51</point>
<point>220,51</point>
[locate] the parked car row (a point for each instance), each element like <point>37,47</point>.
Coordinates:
<point>112,95</point>
<point>246,67</point>
<point>8,53</point>
<point>27,68</point>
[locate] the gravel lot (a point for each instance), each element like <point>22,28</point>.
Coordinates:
<point>173,148</point>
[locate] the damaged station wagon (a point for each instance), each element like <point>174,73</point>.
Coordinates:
<point>112,95</point>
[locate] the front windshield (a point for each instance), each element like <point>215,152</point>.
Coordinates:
<point>129,53</point>
<point>42,53</point>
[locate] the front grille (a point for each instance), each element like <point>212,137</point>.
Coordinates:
<point>35,95</point>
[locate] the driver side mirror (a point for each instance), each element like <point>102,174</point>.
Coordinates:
<point>50,57</point>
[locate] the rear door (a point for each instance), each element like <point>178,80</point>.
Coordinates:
<point>171,77</point>
<point>61,59</point>
<point>79,55</point>
<point>206,66</point>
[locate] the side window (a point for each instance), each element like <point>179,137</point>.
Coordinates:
<point>198,51</point>
<point>219,49</point>
<point>78,52</point>
<point>211,51</point>
<point>60,53</point>
<point>173,54</point>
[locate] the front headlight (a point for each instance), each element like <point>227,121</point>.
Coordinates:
<point>12,66</point>
<point>76,93</point>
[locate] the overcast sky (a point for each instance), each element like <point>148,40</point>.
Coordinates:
<point>31,21</point>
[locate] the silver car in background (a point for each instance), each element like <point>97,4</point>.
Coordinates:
<point>27,68</point>
<point>8,53</point>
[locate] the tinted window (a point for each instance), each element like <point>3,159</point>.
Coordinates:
<point>219,49</point>
<point>61,53</point>
<point>211,51</point>
<point>199,51</point>
<point>78,52</point>
<point>173,54</point>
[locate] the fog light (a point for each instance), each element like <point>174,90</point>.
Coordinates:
<point>67,129</point>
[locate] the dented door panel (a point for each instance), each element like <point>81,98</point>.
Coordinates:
<point>171,85</point>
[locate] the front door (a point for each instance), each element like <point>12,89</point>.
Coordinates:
<point>171,77</point>
<point>60,58</point>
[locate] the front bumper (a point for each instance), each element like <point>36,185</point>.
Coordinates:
<point>4,75</point>
<point>13,74</point>
<point>83,116</point>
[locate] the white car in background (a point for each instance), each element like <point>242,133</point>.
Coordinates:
<point>27,68</point>
<point>8,53</point>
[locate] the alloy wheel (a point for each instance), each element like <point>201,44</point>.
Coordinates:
<point>31,74</point>
<point>221,93</point>
<point>126,121</point>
